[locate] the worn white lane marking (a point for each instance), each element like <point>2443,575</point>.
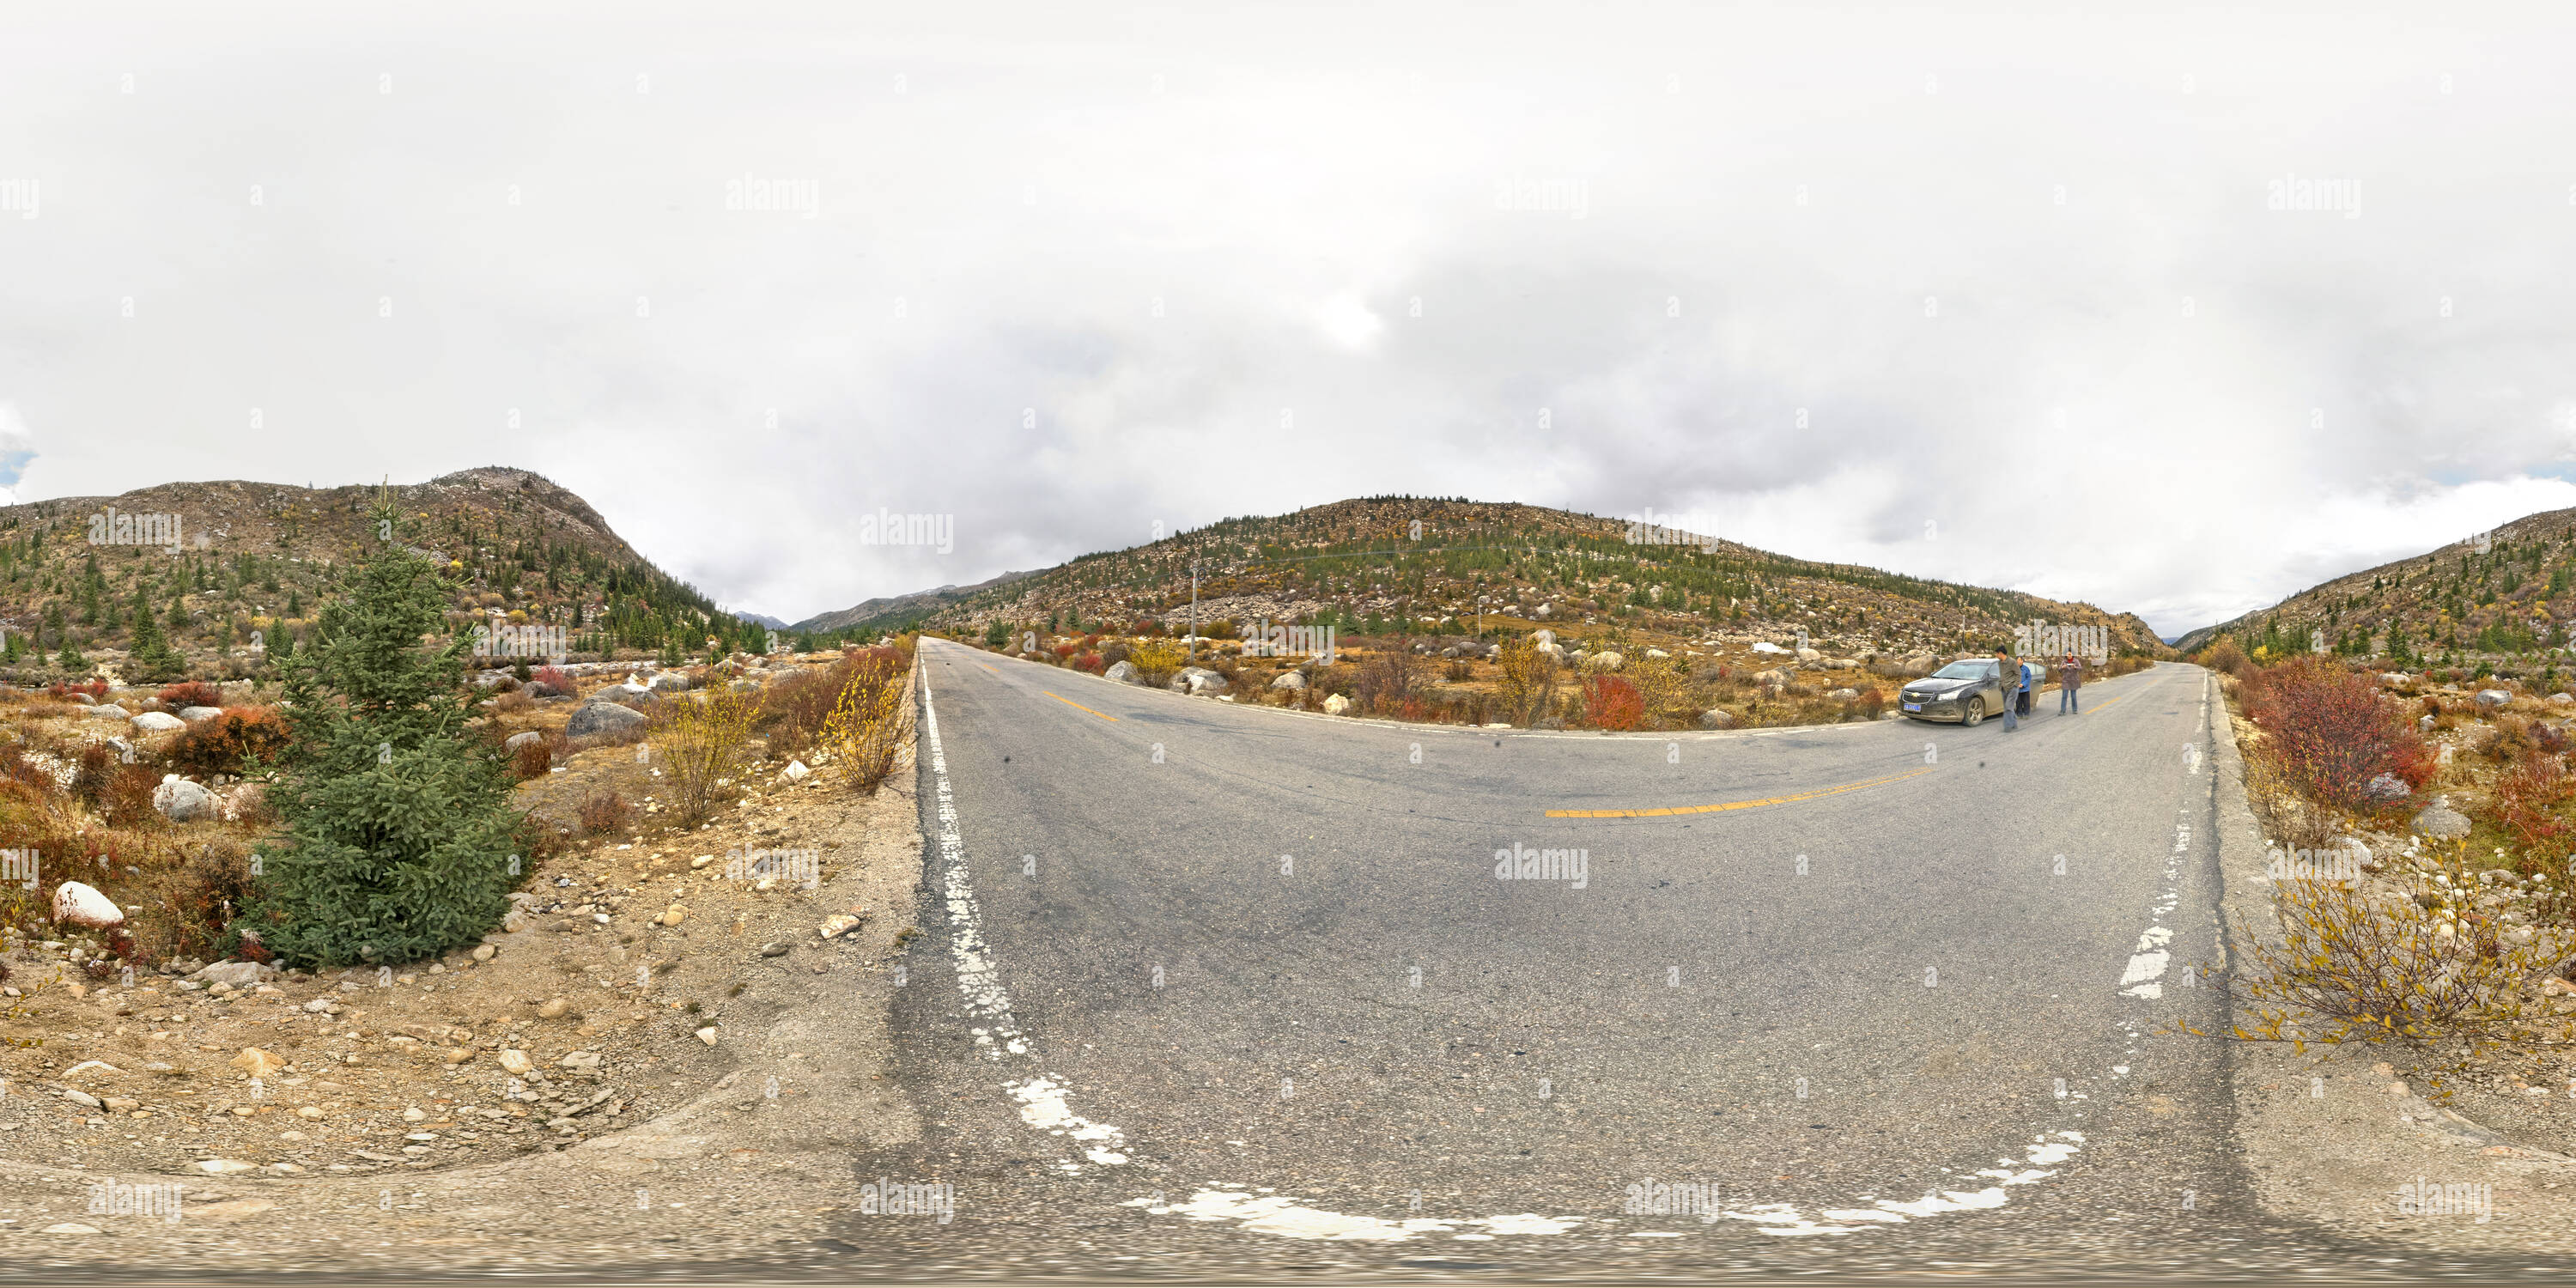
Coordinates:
<point>1282,1215</point>
<point>996,1031</point>
<point>2043,1156</point>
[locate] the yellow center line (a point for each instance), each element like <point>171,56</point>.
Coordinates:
<point>988,668</point>
<point>1713,809</point>
<point>1079,707</point>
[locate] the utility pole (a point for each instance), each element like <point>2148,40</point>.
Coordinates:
<point>1194,610</point>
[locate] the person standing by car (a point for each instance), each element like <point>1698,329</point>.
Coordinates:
<point>2008,676</point>
<point>2070,677</point>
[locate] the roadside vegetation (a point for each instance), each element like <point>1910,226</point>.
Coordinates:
<point>1611,678</point>
<point>2420,871</point>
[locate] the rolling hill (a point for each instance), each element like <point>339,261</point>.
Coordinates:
<point>213,562</point>
<point>1415,565</point>
<point>2500,599</point>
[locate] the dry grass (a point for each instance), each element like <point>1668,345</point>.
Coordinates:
<point>2418,963</point>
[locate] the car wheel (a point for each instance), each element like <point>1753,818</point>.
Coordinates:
<point>1973,714</point>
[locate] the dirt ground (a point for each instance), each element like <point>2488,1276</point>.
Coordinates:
<point>600,1088</point>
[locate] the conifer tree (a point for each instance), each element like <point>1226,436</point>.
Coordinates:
<point>397,826</point>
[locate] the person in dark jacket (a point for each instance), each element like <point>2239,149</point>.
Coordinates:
<point>2070,677</point>
<point>2008,673</point>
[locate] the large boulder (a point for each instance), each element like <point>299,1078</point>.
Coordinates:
<point>1844,695</point>
<point>518,740</point>
<point>669,682</point>
<point>2441,821</point>
<point>2393,678</point>
<point>1124,672</point>
<point>80,905</point>
<point>1290,681</point>
<point>2388,787</point>
<point>1809,655</point>
<point>1198,681</point>
<point>194,714</point>
<point>1337,704</point>
<point>108,712</point>
<point>601,717</point>
<point>182,801</point>
<point>541,689</point>
<point>1604,661</point>
<point>159,722</point>
<point>1717,718</point>
<point>2493,698</point>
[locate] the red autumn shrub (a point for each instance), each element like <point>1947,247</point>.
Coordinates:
<point>2531,802</point>
<point>1613,703</point>
<point>2328,727</point>
<point>226,744</point>
<point>191,693</point>
<point>1090,662</point>
<point>96,689</point>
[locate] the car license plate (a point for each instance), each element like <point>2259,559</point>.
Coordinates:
<point>1913,706</point>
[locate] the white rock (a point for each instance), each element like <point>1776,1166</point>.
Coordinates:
<point>194,714</point>
<point>182,801</point>
<point>1809,655</point>
<point>69,1227</point>
<point>515,741</point>
<point>107,712</point>
<point>1657,654</point>
<point>1198,681</point>
<point>1605,662</point>
<point>158,722</point>
<point>708,1035</point>
<point>1124,672</point>
<point>517,1062</point>
<point>580,1060</point>
<point>1336,704</point>
<point>225,1166</point>
<point>2494,698</point>
<point>1766,646</point>
<point>1290,680</point>
<point>796,772</point>
<point>83,906</point>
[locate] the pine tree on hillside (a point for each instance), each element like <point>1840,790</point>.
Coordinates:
<point>150,656</point>
<point>397,826</point>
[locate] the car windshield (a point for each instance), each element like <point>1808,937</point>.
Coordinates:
<point>1964,671</point>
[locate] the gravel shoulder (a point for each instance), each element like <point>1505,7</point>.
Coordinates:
<point>743,1158</point>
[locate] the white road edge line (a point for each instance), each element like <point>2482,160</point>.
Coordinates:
<point>1042,1102</point>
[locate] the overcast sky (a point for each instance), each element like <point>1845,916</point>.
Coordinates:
<point>1068,277</point>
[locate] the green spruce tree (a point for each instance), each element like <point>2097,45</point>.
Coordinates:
<point>397,827</point>
<point>150,656</point>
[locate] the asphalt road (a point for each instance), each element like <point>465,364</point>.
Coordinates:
<point>1214,991</point>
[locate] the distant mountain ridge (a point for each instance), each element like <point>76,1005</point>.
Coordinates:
<point>897,609</point>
